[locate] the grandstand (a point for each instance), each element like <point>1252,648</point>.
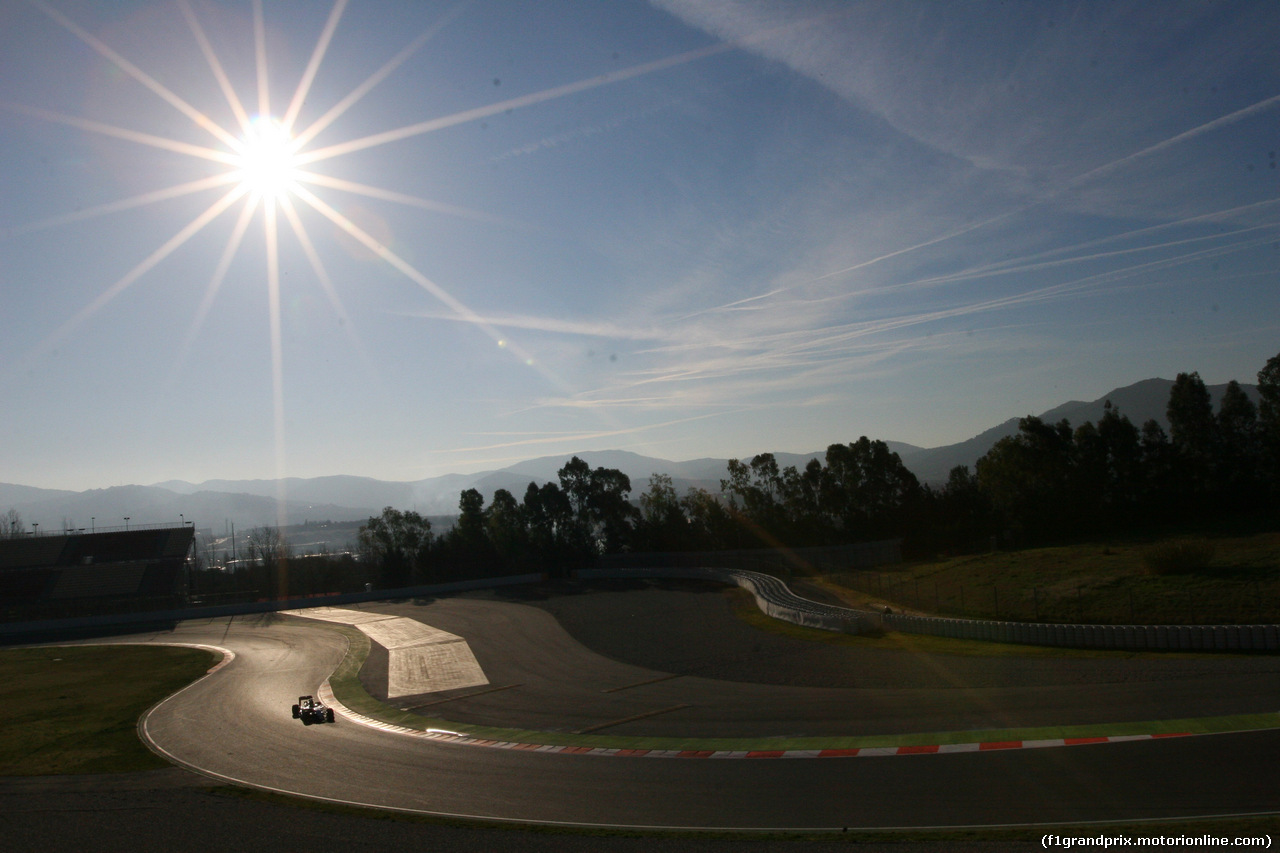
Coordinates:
<point>77,572</point>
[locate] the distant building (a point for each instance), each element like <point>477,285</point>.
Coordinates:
<point>69,572</point>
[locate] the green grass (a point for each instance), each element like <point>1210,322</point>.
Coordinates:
<point>1103,582</point>
<point>75,709</point>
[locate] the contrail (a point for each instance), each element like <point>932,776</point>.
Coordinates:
<point>1223,121</point>
<point>539,97</point>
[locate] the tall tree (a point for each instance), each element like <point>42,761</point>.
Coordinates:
<point>662,525</point>
<point>1269,423</point>
<point>466,548</point>
<point>600,505</point>
<point>1190,413</point>
<point>1239,452</point>
<point>1116,452</point>
<point>758,485</point>
<point>712,525</point>
<point>551,525</point>
<point>1027,476</point>
<point>802,498</point>
<point>399,542</point>
<point>11,526</point>
<point>965,512</point>
<point>470,522</point>
<point>612,510</point>
<point>505,524</point>
<point>1192,433</point>
<point>269,552</point>
<point>575,482</point>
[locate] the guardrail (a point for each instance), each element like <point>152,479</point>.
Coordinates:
<point>777,600</point>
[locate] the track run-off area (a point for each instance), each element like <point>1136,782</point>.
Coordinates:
<point>582,689</point>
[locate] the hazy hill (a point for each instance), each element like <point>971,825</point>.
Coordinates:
<point>246,503</point>
<point>99,508</point>
<point>14,495</point>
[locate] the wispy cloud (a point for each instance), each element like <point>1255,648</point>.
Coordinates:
<point>574,439</point>
<point>582,328</point>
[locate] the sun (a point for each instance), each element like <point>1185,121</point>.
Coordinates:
<point>267,164</point>
<point>269,170</point>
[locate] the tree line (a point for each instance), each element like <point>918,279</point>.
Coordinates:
<point>1212,468</point>
<point>1046,483</point>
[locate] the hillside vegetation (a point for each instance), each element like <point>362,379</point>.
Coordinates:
<point>1104,583</point>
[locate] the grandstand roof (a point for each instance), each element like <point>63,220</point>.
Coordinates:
<point>155,542</point>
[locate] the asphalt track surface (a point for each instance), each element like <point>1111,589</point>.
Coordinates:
<point>234,724</point>
<point>574,657</point>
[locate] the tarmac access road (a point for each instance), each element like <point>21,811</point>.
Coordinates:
<point>234,725</point>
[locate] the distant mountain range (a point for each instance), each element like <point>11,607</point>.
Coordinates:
<point>248,503</point>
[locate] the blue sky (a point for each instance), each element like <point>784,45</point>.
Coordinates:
<point>683,228</point>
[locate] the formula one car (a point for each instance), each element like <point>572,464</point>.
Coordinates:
<point>311,710</point>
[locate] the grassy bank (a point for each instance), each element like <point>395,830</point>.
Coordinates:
<point>1117,583</point>
<point>75,709</point>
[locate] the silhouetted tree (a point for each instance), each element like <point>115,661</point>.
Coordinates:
<point>11,525</point>
<point>1107,476</point>
<point>1192,435</point>
<point>268,554</point>
<point>866,491</point>
<point>964,518</point>
<point>550,522</point>
<point>504,522</point>
<point>662,525</point>
<point>1238,451</point>
<point>602,512</point>
<point>754,490</point>
<point>712,524</point>
<point>467,549</point>
<point>1027,478</point>
<point>399,543</point>
<point>1269,424</point>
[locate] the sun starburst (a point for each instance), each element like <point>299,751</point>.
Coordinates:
<point>267,165</point>
<point>268,171</point>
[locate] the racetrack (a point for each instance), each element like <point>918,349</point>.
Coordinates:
<point>235,725</point>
